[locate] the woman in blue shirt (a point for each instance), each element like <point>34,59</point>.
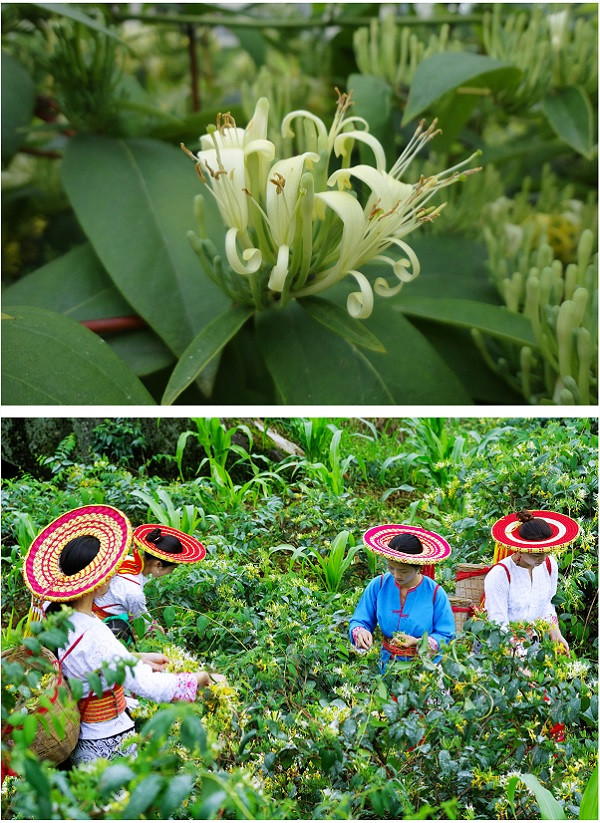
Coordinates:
<point>405,602</point>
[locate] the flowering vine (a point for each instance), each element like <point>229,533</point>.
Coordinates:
<point>295,228</point>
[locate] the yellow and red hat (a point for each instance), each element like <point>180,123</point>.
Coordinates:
<point>192,552</point>
<point>564,531</point>
<point>41,569</point>
<point>435,547</point>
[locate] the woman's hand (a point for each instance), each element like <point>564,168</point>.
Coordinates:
<point>406,639</point>
<point>156,661</point>
<point>557,637</point>
<point>363,639</point>
<point>206,678</point>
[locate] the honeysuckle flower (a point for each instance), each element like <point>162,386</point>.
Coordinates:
<point>294,228</point>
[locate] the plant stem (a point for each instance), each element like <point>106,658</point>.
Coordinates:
<point>236,22</point>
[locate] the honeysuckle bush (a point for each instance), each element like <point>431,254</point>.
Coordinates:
<point>308,729</point>
<point>103,284</point>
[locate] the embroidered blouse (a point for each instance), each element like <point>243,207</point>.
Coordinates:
<point>99,645</point>
<point>426,609</point>
<point>524,598</point>
<point>125,594</point>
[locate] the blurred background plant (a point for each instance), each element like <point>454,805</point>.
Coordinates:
<point>96,100</point>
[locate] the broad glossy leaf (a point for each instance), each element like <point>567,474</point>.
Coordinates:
<point>373,100</point>
<point>51,359</point>
<point>311,365</point>
<point>588,809</point>
<point>570,114</point>
<point>494,320</point>
<point>203,348</point>
<point>550,808</point>
<point>442,73</point>
<point>18,101</point>
<point>144,794</point>
<point>412,369</point>
<point>337,319</point>
<point>77,286</point>
<point>456,348</point>
<point>135,200</point>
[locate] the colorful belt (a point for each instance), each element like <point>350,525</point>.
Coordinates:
<point>95,709</point>
<point>399,651</point>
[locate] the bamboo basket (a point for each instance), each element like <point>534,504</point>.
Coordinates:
<point>460,617</point>
<point>50,744</point>
<point>472,588</point>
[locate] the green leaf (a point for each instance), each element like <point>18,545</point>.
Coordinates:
<point>334,317</point>
<point>372,98</point>
<point>37,777</point>
<point>203,348</point>
<point>51,359</point>
<point>139,626</point>
<point>494,320</point>
<point>75,284</point>
<point>571,117</point>
<point>143,796</point>
<point>588,808</point>
<point>79,16</point>
<point>193,735</point>
<point>135,201</point>
<point>113,778</point>
<point>169,616</point>
<point>95,683</point>
<point>178,789</point>
<point>454,71</point>
<point>310,364</point>
<point>550,808</point>
<point>18,101</point>
<point>412,370</point>
<point>210,799</point>
<point>78,286</point>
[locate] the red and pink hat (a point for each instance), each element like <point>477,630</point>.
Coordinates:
<point>193,550</point>
<point>564,531</point>
<point>41,569</point>
<point>435,547</point>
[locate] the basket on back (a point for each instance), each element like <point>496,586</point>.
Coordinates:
<point>59,720</point>
<point>462,609</point>
<point>470,579</point>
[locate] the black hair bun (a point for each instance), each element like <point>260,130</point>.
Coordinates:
<point>524,516</point>
<point>154,536</point>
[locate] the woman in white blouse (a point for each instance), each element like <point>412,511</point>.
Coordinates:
<point>157,551</point>
<point>521,587</point>
<point>70,562</point>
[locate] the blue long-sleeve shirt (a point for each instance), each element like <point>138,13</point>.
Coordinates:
<point>426,609</point>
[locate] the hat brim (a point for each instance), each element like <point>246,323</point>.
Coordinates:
<point>41,569</point>
<point>193,549</point>
<point>564,531</point>
<point>435,547</point>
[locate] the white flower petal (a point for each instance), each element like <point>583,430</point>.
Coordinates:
<point>360,303</point>
<point>280,269</point>
<point>281,202</point>
<point>385,188</point>
<point>344,142</point>
<point>250,260</point>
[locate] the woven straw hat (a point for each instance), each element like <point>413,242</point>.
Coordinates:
<point>41,569</point>
<point>193,550</point>
<point>564,531</point>
<point>435,547</point>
